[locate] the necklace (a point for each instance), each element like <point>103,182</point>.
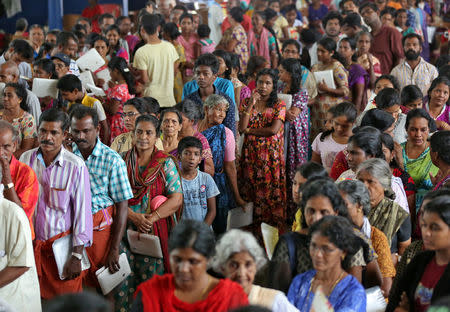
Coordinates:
<point>332,288</point>
<point>206,287</point>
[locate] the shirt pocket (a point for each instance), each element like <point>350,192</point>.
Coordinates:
<point>59,197</point>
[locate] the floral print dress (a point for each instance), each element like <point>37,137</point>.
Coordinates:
<point>241,47</point>
<point>118,92</point>
<point>262,167</point>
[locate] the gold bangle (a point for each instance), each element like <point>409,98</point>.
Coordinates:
<point>247,130</point>
<point>157,213</point>
<point>247,113</point>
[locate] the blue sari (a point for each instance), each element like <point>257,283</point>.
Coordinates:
<point>225,200</point>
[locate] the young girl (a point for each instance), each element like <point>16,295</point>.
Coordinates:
<point>115,49</point>
<point>292,31</point>
<point>327,144</point>
<point>189,41</point>
<point>44,68</point>
<point>121,89</point>
<point>206,44</point>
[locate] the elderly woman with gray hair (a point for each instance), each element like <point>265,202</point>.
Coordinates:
<point>385,214</point>
<point>223,146</point>
<point>238,257</point>
<point>357,200</point>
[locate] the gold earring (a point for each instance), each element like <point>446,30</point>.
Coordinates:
<point>342,257</point>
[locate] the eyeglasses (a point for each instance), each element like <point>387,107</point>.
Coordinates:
<point>325,250</point>
<point>129,115</point>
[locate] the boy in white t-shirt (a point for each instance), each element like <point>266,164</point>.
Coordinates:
<point>199,188</point>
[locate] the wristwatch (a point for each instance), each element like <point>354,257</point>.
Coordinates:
<point>77,255</point>
<point>8,186</point>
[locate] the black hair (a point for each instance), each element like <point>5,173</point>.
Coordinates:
<point>371,5</point>
<point>339,232</point>
<point>377,118</point>
<point>152,105</point>
<point>399,11</point>
<point>261,14</point>
<point>93,38</point>
<point>291,42</point>
<point>148,118</point>
<point>308,36</point>
<point>69,83</point>
<point>63,38</point>
<point>442,60</point>
<point>80,302</point>
<point>435,83</point>
<point>189,141</point>
<point>330,45</point>
<point>190,109</point>
<point>440,206</point>
<point>273,97</point>
<point>392,79</point>
<point>369,143</point>
<point>254,65</point>
<point>440,143</point>
<point>150,23</point>
<point>54,32</point>
<point>21,24</point>
<point>346,109</point>
<point>410,93</point>
<point>294,68</point>
<point>180,7</point>
<point>139,104</point>
<point>289,8</point>
<point>435,194</point>
<point>352,20</point>
<point>444,70</point>
<point>388,10</point>
<point>21,93</point>
<point>46,65</point>
<point>253,308</point>
<point>44,50</point>
<point>420,113</point>
<point>121,65</point>
<point>312,169</point>
<point>23,48</point>
<point>121,18</point>
<point>323,187</point>
<point>210,60</point>
<point>171,30</point>
<point>105,15</point>
<point>235,62</point>
<point>270,14</point>
<point>83,19</point>
<point>331,15</point>
<point>79,28</point>
<point>79,35</point>
<point>386,98</point>
<point>115,28</point>
<point>410,36</point>
<point>55,115</point>
<point>171,110</point>
<point>237,14</point>
<point>352,43</point>
<point>227,59</point>
<point>186,15</point>
<point>193,234</point>
<point>81,111</point>
<point>203,31</point>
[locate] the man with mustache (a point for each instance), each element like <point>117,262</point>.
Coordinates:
<point>110,190</point>
<point>64,205</point>
<point>414,70</point>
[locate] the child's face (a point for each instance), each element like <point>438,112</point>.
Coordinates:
<point>291,16</point>
<point>275,6</point>
<point>329,122</point>
<point>70,96</point>
<point>186,25</point>
<point>191,158</point>
<point>414,104</point>
<point>401,19</point>
<point>382,84</point>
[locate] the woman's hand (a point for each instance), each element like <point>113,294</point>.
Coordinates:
<point>437,178</point>
<point>322,86</point>
<point>404,304</point>
<point>398,154</point>
<point>253,100</point>
<point>292,113</point>
<point>142,222</point>
<point>111,84</point>
<point>240,202</point>
<point>442,125</point>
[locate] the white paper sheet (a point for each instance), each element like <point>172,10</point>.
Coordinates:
<point>62,250</point>
<point>238,218</point>
<point>109,281</point>
<point>106,76</point>
<point>45,87</point>
<point>327,76</point>
<point>286,98</point>
<point>93,90</point>
<point>270,238</point>
<point>86,78</point>
<point>91,60</point>
<point>375,300</point>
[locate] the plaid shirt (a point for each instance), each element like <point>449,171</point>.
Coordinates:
<point>421,76</point>
<point>108,177</point>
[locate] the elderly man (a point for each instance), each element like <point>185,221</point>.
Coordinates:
<point>64,205</point>
<point>19,285</point>
<point>67,43</point>
<point>414,70</point>
<point>19,180</point>
<point>110,190</point>
<point>9,72</point>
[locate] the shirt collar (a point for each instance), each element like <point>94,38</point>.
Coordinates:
<point>420,62</point>
<point>96,152</point>
<point>59,160</point>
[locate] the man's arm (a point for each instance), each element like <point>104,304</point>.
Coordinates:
<point>10,274</point>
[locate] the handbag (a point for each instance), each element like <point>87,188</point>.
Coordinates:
<point>107,280</point>
<point>144,244</point>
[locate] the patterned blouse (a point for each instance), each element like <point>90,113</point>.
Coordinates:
<point>25,125</point>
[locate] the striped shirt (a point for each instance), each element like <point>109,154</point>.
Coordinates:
<point>64,196</point>
<point>108,176</point>
<point>421,76</point>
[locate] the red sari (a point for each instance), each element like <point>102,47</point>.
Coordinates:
<point>158,295</point>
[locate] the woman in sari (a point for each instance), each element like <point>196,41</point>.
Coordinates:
<point>260,40</point>
<point>328,96</point>
<point>438,105</point>
<point>364,58</point>
<point>262,165</point>
<point>151,172</point>
<point>414,155</point>
<point>223,147</point>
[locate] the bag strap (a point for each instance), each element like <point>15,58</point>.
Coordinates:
<point>292,250</point>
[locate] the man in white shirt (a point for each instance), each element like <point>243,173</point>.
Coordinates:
<point>19,285</point>
<point>215,19</point>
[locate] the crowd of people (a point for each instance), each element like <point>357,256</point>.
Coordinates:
<point>327,120</point>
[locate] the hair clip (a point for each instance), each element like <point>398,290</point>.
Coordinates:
<point>126,70</point>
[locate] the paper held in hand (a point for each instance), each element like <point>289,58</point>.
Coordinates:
<point>86,78</point>
<point>45,87</point>
<point>286,98</point>
<point>107,280</point>
<point>327,77</point>
<point>240,217</point>
<point>91,60</point>
<point>93,90</point>
<point>62,250</point>
<point>106,76</point>
<point>375,300</point>
<point>270,238</point>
